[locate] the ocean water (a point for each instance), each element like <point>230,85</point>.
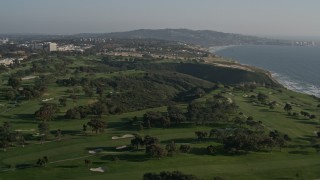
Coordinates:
<point>297,68</point>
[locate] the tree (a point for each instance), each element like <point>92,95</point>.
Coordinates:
<point>59,134</point>
<point>11,94</point>
<point>5,135</point>
<point>14,82</point>
<point>185,148</point>
<point>100,91</point>
<point>155,150</point>
<point>312,116</point>
<point>171,147</point>
<point>272,104</point>
<point>47,112</point>
<point>84,128</point>
<point>73,114</point>
<point>63,101</point>
<point>239,120</point>
<point>201,135</point>
<point>8,137</point>
<point>42,161</point>
<point>166,175</point>
<point>287,107</point>
<point>137,141</point>
<point>165,121</point>
<point>88,91</point>
<point>262,98</point>
<point>149,140</point>
<point>198,92</point>
<point>211,149</point>
<point>97,124</point>
<point>87,162</point>
<point>175,114</point>
<point>45,158</point>
<point>153,118</point>
<point>99,108</point>
<point>43,128</point>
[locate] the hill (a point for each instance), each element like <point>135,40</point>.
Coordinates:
<point>204,38</point>
<point>63,117</point>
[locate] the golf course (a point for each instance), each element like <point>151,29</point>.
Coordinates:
<point>92,117</point>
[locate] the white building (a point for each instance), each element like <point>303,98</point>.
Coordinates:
<point>4,41</point>
<point>52,46</point>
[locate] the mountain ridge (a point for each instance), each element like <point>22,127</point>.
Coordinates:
<point>204,38</point>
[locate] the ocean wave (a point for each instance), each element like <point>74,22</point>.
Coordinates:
<point>297,85</point>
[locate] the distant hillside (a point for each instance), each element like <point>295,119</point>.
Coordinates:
<point>200,37</point>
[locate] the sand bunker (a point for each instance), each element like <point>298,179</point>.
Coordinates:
<point>50,99</point>
<point>38,135</point>
<point>99,169</point>
<point>121,147</point>
<point>29,77</point>
<point>123,137</point>
<point>95,151</point>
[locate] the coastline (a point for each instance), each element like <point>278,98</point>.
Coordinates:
<point>214,49</point>
<point>283,80</point>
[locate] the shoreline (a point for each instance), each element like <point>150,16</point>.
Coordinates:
<point>214,49</point>
<point>284,81</point>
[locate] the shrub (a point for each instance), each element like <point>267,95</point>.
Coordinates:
<point>185,148</point>
<point>211,149</point>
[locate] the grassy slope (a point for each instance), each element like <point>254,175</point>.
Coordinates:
<point>297,162</point>
<point>302,161</point>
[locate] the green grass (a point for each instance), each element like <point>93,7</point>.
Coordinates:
<point>301,162</point>
<point>297,161</point>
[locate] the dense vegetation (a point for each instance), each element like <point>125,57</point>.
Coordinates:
<point>64,114</point>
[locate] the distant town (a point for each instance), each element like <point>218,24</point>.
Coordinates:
<point>15,51</point>
<point>178,44</point>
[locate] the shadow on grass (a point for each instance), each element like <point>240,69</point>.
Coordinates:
<point>68,132</point>
<point>127,157</point>
<point>307,138</point>
<point>199,151</point>
<point>25,166</point>
<point>111,149</point>
<point>180,140</point>
<point>98,163</point>
<point>25,116</point>
<point>299,152</point>
<point>267,110</point>
<point>219,151</point>
<point>308,122</point>
<point>67,166</point>
<point>121,125</point>
<point>292,117</point>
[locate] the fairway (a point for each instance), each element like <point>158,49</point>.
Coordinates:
<point>122,93</point>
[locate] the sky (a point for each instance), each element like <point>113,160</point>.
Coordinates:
<point>268,18</point>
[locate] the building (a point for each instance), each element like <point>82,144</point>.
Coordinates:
<point>9,61</point>
<point>37,46</point>
<point>4,41</point>
<point>52,46</point>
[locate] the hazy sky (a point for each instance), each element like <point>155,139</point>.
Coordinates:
<point>255,17</point>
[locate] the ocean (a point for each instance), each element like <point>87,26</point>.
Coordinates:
<point>295,67</point>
